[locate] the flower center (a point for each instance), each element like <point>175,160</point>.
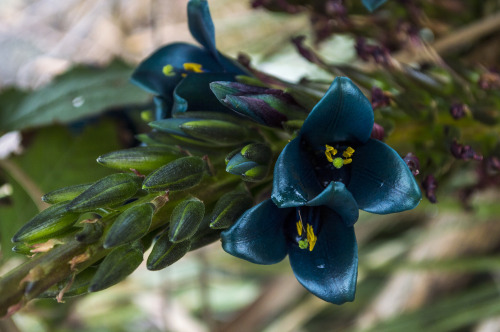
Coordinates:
<point>169,70</point>
<point>307,237</point>
<point>338,162</point>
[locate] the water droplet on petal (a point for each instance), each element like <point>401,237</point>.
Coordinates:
<point>78,101</point>
<point>320,263</point>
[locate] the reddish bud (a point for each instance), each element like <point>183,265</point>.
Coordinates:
<point>413,163</point>
<point>430,185</point>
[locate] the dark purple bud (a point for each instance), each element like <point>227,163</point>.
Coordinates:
<point>430,185</point>
<point>457,110</point>
<point>379,54</point>
<point>380,98</point>
<point>305,51</point>
<point>244,59</point>
<point>413,163</point>
<point>378,132</point>
<point>464,152</point>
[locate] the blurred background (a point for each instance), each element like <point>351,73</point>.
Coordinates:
<point>434,268</point>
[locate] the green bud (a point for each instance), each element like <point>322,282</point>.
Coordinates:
<point>119,263</point>
<point>221,133</point>
<point>90,233</point>
<point>180,174</point>
<point>186,219</point>
<point>204,128</point>
<point>166,253</point>
<point>65,194</point>
<point>111,190</point>
<point>143,158</point>
<point>22,248</point>
<point>229,208</point>
<point>131,225</point>
<point>251,162</point>
<point>79,286</point>
<point>53,221</point>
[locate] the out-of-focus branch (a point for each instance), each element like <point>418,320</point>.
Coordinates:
<point>453,41</point>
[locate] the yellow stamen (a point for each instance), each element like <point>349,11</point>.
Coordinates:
<point>330,152</point>
<point>347,161</point>
<point>194,67</point>
<point>311,238</point>
<point>168,70</point>
<point>348,152</point>
<point>299,227</point>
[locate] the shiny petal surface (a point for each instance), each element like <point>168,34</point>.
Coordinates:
<point>294,182</point>
<point>371,5</point>
<point>193,93</point>
<point>258,234</point>
<point>338,198</point>
<point>201,25</point>
<point>381,182</point>
<point>150,74</point>
<point>330,270</point>
<point>343,114</point>
<point>163,107</point>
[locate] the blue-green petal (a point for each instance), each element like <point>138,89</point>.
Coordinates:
<point>201,25</point>
<point>239,165</point>
<point>371,5</point>
<point>149,74</point>
<point>339,199</point>
<point>294,182</point>
<point>330,270</point>
<point>344,114</point>
<point>163,107</point>
<point>193,93</point>
<point>381,182</point>
<point>257,236</point>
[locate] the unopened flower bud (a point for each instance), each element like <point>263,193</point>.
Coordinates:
<point>166,252</point>
<point>53,221</point>
<point>430,185</point>
<point>185,219</point>
<point>251,162</point>
<point>270,107</point>
<point>219,129</point>
<point>229,208</point>
<point>180,174</point>
<point>117,265</point>
<point>143,158</point>
<point>65,194</point>
<point>108,191</point>
<point>129,226</point>
<point>413,163</point>
<point>464,152</point>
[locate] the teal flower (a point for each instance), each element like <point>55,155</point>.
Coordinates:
<point>371,5</point>
<point>334,146</point>
<point>321,180</point>
<point>179,74</point>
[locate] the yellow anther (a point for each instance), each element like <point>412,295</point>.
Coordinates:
<point>299,227</point>
<point>348,152</point>
<point>194,67</point>
<point>311,238</point>
<point>168,70</point>
<point>347,161</point>
<point>330,152</point>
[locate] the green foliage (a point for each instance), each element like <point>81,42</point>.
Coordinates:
<point>84,90</point>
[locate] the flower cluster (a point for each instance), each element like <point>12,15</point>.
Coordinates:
<point>321,179</point>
